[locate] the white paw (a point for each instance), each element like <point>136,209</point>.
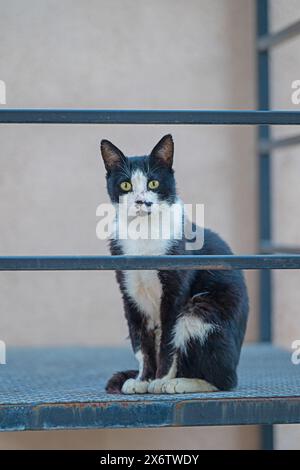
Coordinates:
<point>170,386</point>
<point>135,386</point>
<point>156,386</point>
<point>182,385</point>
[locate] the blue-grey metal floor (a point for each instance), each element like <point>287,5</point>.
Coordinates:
<point>63,388</point>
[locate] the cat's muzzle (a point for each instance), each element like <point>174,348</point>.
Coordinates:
<point>143,207</point>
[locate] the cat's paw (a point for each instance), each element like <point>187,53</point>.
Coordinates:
<point>182,385</point>
<point>157,385</point>
<point>132,386</point>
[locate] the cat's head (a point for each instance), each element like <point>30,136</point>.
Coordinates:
<point>142,182</point>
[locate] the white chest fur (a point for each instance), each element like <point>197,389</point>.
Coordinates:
<point>144,287</point>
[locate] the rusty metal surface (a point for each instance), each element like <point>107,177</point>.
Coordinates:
<point>63,388</point>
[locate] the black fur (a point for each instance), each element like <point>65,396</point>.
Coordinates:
<point>115,383</point>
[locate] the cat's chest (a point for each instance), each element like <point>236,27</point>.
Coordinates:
<point>144,287</point>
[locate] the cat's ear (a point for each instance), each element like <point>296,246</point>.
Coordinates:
<point>163,152</point>
<point>112,156</point>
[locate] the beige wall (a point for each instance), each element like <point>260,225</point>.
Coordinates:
<point>116,54</point>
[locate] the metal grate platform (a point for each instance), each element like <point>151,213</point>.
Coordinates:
<point>63,388</point>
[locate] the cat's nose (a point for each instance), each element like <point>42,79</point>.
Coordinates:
<point>139,202</point>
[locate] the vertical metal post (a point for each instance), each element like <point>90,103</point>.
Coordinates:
<point>264,174</point>
<point>265,211</point>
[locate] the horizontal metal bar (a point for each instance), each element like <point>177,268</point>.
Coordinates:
<point>268,248</point>
<point>266,146</point>
<point>74,263</point>
<point>273,39</point>
<point>94,116</point>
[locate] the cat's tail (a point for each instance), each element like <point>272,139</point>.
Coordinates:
<point>115,383</point>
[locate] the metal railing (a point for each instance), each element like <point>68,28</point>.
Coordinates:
<point>266,144</point>
<point>166,262</point>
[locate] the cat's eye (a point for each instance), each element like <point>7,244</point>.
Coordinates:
<point>153,184</point>
<point>126,186</point>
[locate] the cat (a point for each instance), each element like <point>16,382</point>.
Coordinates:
<point>186,326</point>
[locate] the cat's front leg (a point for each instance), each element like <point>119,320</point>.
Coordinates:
<point>160,383</point>
<point>143,344</point>
<point>167,357</point>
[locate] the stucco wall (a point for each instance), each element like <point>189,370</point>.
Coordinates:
<point>116,54</point>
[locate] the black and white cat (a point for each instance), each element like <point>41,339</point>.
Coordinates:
<point>186,326</point>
